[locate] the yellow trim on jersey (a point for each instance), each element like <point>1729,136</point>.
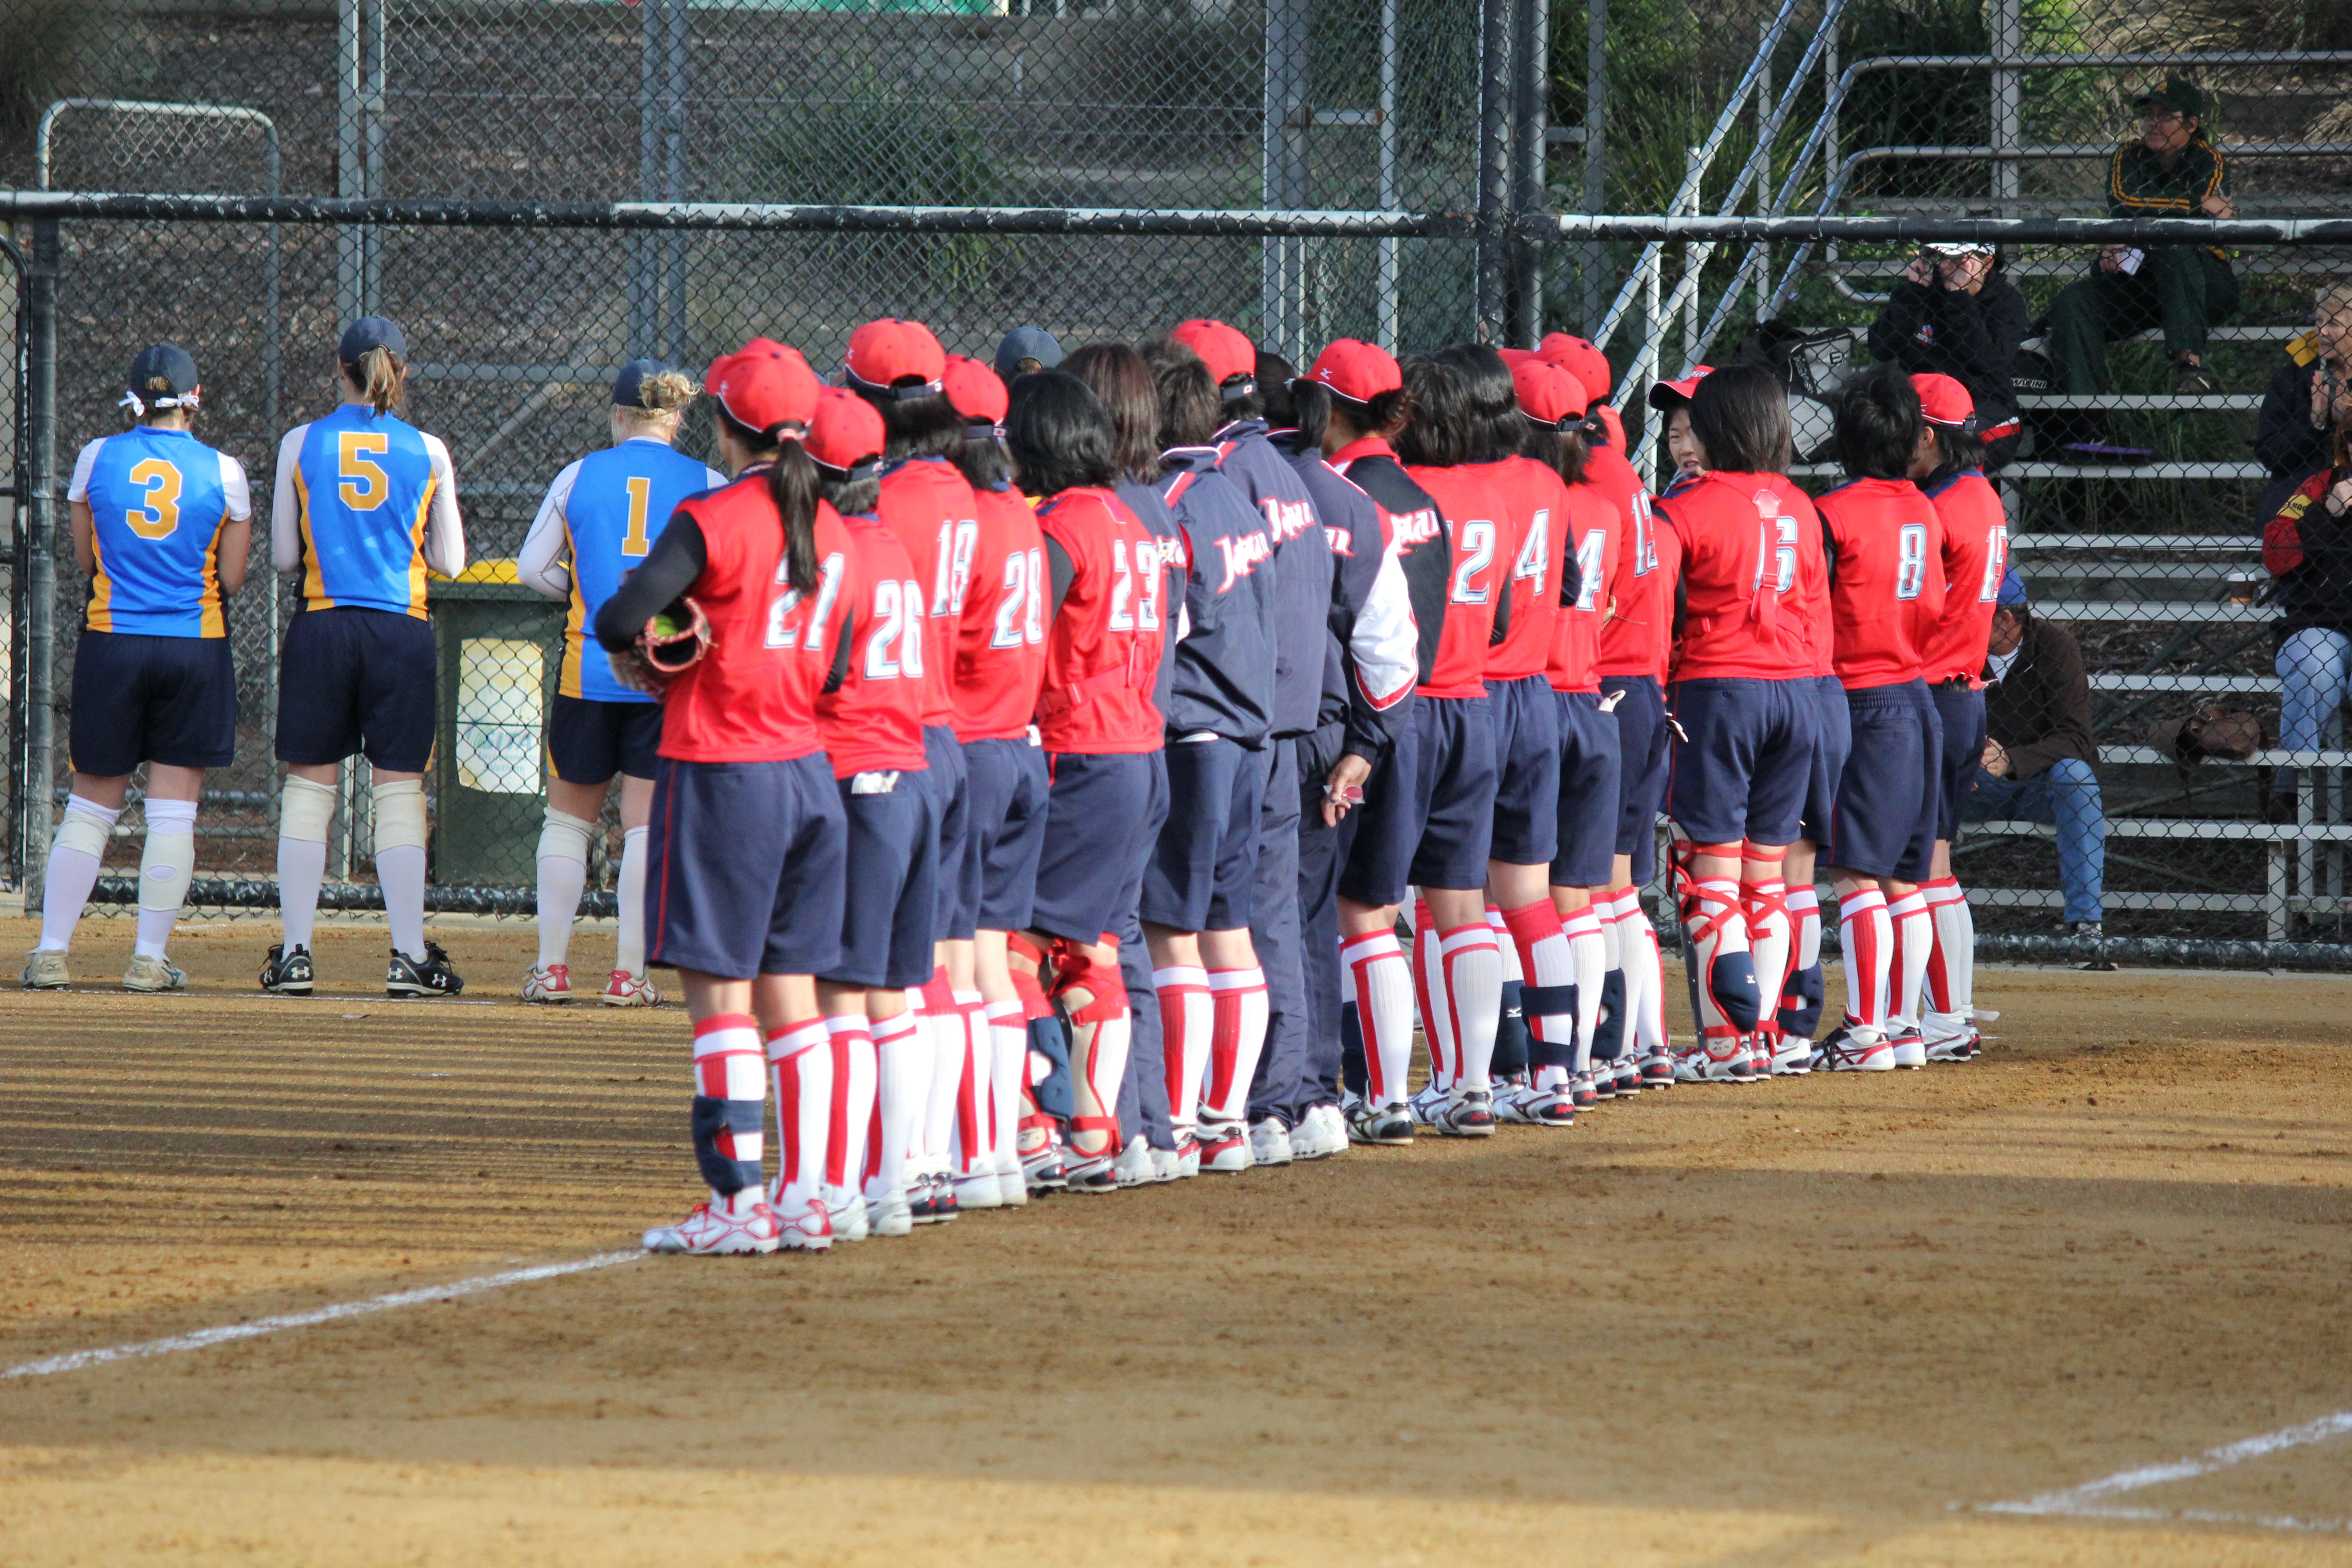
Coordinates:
<point>212,622</point>
<point>314,582</point>
<point>102,588</point>
<point>416,549</point>
<point>576,627</point>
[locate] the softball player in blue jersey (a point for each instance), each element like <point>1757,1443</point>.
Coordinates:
<point>365,503</point>
<point>604,511</point>
<point>160,522</point>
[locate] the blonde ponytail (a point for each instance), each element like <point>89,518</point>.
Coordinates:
<point>661,402</point>
<point>380,376</point>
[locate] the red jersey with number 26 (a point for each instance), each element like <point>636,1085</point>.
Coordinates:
<point>927,502</point>
<point>1102,652</point>
<point>1886,578</point>
<point>752,696</point>
<point>874,722</point>
<point>1478,522</point>
<point>1593,526</point>
<point>1000,643</point>
<point>1750,544</point>
<point>1537,499</point>
<point>1976,554</point>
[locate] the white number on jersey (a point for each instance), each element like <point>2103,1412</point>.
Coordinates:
<point>1778,540</point>
<point>952,576</point>
<point>1021,613</point>
<point>781,631</point>
<point>1645,539</point>
<point>1591,559</point>
<point>1996,563</point>
<point>1122,586</point>
<point>1474,540</point>
<point>1535,552</point>
<point>1910,560</point>
<point>1155,578</point>
<point>898,609</point>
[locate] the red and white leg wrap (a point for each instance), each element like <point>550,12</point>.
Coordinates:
<point>1716,928</point>
<point>1093,999</point>
<point>1765,903</point>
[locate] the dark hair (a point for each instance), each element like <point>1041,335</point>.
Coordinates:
<point>1385,409</point>
<point>1292,404</point>
<point>792,487</point>
<point>1739,415</point>
<point>926,426</point>
<point>1563,451</point>
<point>1442,428</point>
<point>851,497</point>
<point>1189,412</point>
<point>1249,406</point>
<point>1497,422</point>
<point>981,459</point>
<point>1060,435</point>
<point>1122,383</point>
<point>1957,449</point>
<point>1878,423</point>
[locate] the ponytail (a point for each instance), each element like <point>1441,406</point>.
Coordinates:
<point>792,486</point>
<point>379,375</point>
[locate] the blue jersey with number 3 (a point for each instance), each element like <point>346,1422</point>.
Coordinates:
<point>363,488</point>
<point>621,499</point>
<point>157,500</point>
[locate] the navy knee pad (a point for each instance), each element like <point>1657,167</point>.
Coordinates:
<point>1800,1006</point>
<point>1510,1034</point>
<point>1731,984</point>
<point>713,1116</point>
<point>1609,1024</point>
<point>1054,1094</point>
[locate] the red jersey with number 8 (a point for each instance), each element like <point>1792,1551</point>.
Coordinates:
<point>874,722</point>
<point>1976,553</point>
<point>1751,549</point>
<point>1000,643</point>
<point>927,502</point>
<point>1887,579</point>
<point>1102,652</point>
<point>752,696</point>
<point>1477,520</point>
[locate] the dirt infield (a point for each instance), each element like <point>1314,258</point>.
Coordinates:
<point>1821,1321</point>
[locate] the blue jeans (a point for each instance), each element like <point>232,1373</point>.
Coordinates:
<point>2311,675</point>
<point>2066,795</point>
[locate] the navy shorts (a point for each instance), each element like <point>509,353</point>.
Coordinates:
<point>1962,714</point>
<point>1006,822</point>
<point>1428,811</point>
<point>952,804</point>
<point>1205,859</point>
<point>1741,760</point>
<point>356,680</point>
<point>1885,822</point>
<point>1641,736</point>
<point>744,867</point>
<point>1526,716</point>
<point>1591,774</point>
<point>1834,744</point>
<point>589,739</point>
<point>1098,827</point>
<point>890,893</point>
<point>143,698</point>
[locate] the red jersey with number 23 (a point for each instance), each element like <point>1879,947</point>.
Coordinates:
<point>1478,522</point>
<point>1976,554</point>
<point>752,696</point>
<point>1102,652</point>
<point>873,723</point>
<point>1751,545</point>
<point>999,642</point>
<point>1887,579</point>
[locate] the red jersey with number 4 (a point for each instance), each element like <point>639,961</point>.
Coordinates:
<point>752,696</point>
<point>1000,641</point>
<point>1538,499</point>
<point>1593,527</point>
<point>1976,553</point>
<point>1637,635</point>
<point>1886,578</point>
<point>928,504</point>
<point>1478,522</point>
<point>1102,652</point>
<point>873,723</point>
<point>1751,546</point>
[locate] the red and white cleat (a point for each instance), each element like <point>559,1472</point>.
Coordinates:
<point>743,1225</point>
<point>627,990</point>
<point>553,983</point>
<point>810,1230</point>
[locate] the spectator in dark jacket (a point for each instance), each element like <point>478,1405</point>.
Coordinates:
<point>2306,397</point>
<point>1952,313</point>
<point>2039,753</point>
<point>2307,551</point>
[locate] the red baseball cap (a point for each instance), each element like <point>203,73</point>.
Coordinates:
<point>846,431</point>
<point>1224,349</point>
<point>1513,357</point>
<point>1945,402</point>
<point>1356,370</point>
<point>890,349</point>
<point>765,386</point>
<point>1547,394</point>
<point>1667,393</point>
<point>976,391</point>
<point>1582,360</point>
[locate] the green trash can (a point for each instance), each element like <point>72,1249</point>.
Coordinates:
<point>501,647</point>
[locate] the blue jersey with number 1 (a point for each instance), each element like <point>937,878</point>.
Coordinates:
<point>621,499</point>
<point>363,487</point>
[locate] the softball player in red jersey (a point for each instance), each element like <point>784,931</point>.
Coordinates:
<point>1949,470</point>
<point>1886,592</point>
<point>1100,730</point>
<point>743,882</point>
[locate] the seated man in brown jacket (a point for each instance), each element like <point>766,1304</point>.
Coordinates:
<point>2039,754</point>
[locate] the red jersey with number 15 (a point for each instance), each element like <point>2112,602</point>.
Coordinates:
<point>927,502</point>
<point>1537,499</point>
<point>1976,553</point>
<point>1477,520</point>
<point>1593,527</point>
<point>873,723</point>
<point>1886,578</point>
<point>1000,643</point>
<point>1102,652</point>
<point>1750,544</point>
<point>752,696</point>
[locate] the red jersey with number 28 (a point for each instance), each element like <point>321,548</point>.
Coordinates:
<point>1976,553</point>
<point>1886,578</point>
<point>1102,652</point>
<point>1593,527</point>
<point>927,502</point>
<point>1478,522</point>
<point>873,723</point>
<point>1751,544</point>
<point>999,642</point>
<point>752,696</point>
<point>1538,499</point>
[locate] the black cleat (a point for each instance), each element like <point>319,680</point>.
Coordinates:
<point>403,976</point>
<point>286,973</point>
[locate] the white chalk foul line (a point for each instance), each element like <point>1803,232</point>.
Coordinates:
<point>2084,1502</point>
<point>204,1338</point>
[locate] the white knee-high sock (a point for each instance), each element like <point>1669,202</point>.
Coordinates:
<point>631,897</point>
<point>1637,946</point>
<point>1474,984</point>
<point>1867,936</point>
<point>1952,967</point>
<point>400,872</point>
<point>850,1040</point>
<point>562,878</point>
<point>165,869</point>
<point>1915,933</point>
<point>1375,969</point>
<point>1236,1039</point>
<point>304,812</point>
<point>975,1130</point>
<point>1436,1009</point>
<point>1589,950</point>
<point>943,1021</point>
<point>800,1070</point>
<point>76,853</point>
<point>902,1049</point>
<point>1008,1035</point>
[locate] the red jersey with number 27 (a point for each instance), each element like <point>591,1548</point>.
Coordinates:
<point>873,723</point>
<point>752,696</point>
<point>1750,544</point>
<point>1538,499</point>
<point>1102,652</point>
<point>927,502</point>
<point>1478,522</point>
<point>999,642</point>
<point>1976,554</point>
<point>1887,579</point>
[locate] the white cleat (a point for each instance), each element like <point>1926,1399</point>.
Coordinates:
<point>810,1230</point>
<point>45,970</point>
<point>980,1190</point>
<point>1188,1156</point>
<point>622,989</point>
<point>1327,1128</point>
<point>1269,1142</point>
<point>1383,1124</point>
<point>551,982</point>
<point>1427,1105</point>
<point>1855,1050</point>
<point>1910,1051</point>
<point>1792,1058</point>
<point>1011,1186</point>
<point>743,1225</point>
<point>1165,1165</point>
<point>1133,1166</point>
<point>1706,1063</point>
<point>1468,1113</point>
<point>151,974</point>
<point>1224,1147</point>
<point>846,1209</point>
<point>889,1215</point>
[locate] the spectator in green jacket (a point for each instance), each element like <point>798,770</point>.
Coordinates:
<point>2169,170</point>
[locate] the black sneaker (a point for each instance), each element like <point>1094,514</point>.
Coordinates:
<point>403,976</point>
<point>286,973</point>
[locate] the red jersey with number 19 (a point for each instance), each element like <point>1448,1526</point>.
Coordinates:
<point>1477,520</point>
<point>1886,578</point>
<point>1102,652</point>
<point>1637,635</point>
<point>1750,543</point>
<point>1000,643</point>
<point>1538,499</point>
<point>927,502</point>
<point>874,722</point>
<point>1976,554</point>
<point>752,696</point>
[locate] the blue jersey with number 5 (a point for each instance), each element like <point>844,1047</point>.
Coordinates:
<point>363,488</point>
<point>620,500</point>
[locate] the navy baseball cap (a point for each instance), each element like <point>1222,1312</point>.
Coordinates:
<point>371,332</point>
<point>628,387</point>
<point>163,376</point>
<point>1027,342</point>
<point>2011,594</point>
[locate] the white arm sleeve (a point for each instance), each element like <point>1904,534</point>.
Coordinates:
<point>1385,643</point>
<point>445,530</point>
<point>237,491</point>
<point>83,463</point>
<point>537,567</point>
<point>285,511</point>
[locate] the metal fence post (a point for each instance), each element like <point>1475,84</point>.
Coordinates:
<point>1596,140</point>
<point>1495,104</point>
<point>2008,43</point>
<point>37,560</point>
<point>1532,62</point>
<point>1283,327</point>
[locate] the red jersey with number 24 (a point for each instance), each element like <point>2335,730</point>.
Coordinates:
<point>1478,522</point>
<point>999,642</point>
<point>1593,526</point>
<point>1976,554</point>
<point>1102,652</point>
<point>1751,545</point>
<point>1538,499</point>
<point>1887,579</point>
<point>873,723</point>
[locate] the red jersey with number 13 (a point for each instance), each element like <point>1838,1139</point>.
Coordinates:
<point>1000,643</point>
<point>1102,652</point>
<point>1477,520</point>
<point>1887,579</point>
<point>1750,544</point>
